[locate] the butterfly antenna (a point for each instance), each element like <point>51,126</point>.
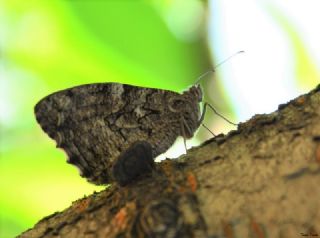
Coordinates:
<point>216,66</point>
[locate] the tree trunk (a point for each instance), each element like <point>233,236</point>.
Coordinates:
<point>261,180</point>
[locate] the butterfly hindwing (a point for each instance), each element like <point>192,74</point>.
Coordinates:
<point>96,123</point>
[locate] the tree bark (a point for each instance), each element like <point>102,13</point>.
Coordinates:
<point>261,180</point>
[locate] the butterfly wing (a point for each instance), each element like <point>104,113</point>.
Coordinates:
<point>95,123</point>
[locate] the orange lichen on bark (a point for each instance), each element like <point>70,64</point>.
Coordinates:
<point>299,101</point>
<point>119,219</point>
<point>227,229</point>
<point>192,182</point>
<point>256,229</point>
<point>82,205</point>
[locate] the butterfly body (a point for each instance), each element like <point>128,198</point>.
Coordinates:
<point>95,124</point>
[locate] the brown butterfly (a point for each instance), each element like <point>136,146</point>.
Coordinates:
<point>113,131</point>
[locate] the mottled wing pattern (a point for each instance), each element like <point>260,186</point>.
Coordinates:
<point>95,123</point>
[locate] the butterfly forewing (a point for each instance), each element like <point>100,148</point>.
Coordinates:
<point>95,123</point>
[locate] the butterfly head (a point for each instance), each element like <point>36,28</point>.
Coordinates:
<point>186,107</point>
<point>195,92</point>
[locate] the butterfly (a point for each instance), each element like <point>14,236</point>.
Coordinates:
<point>112,131</point>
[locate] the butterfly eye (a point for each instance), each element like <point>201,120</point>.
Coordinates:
<point>176,104</point>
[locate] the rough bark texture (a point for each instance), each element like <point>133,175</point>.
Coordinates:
<point>261,180</point>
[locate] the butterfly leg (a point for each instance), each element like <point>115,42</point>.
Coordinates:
<point>208,129</point>
<point>183,132</point>
<point>216,112</point>
<point>136,160</point>
<point>185,144</point>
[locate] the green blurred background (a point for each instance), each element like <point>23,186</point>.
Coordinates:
<point>52,45</point>
<point>47,46</point>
